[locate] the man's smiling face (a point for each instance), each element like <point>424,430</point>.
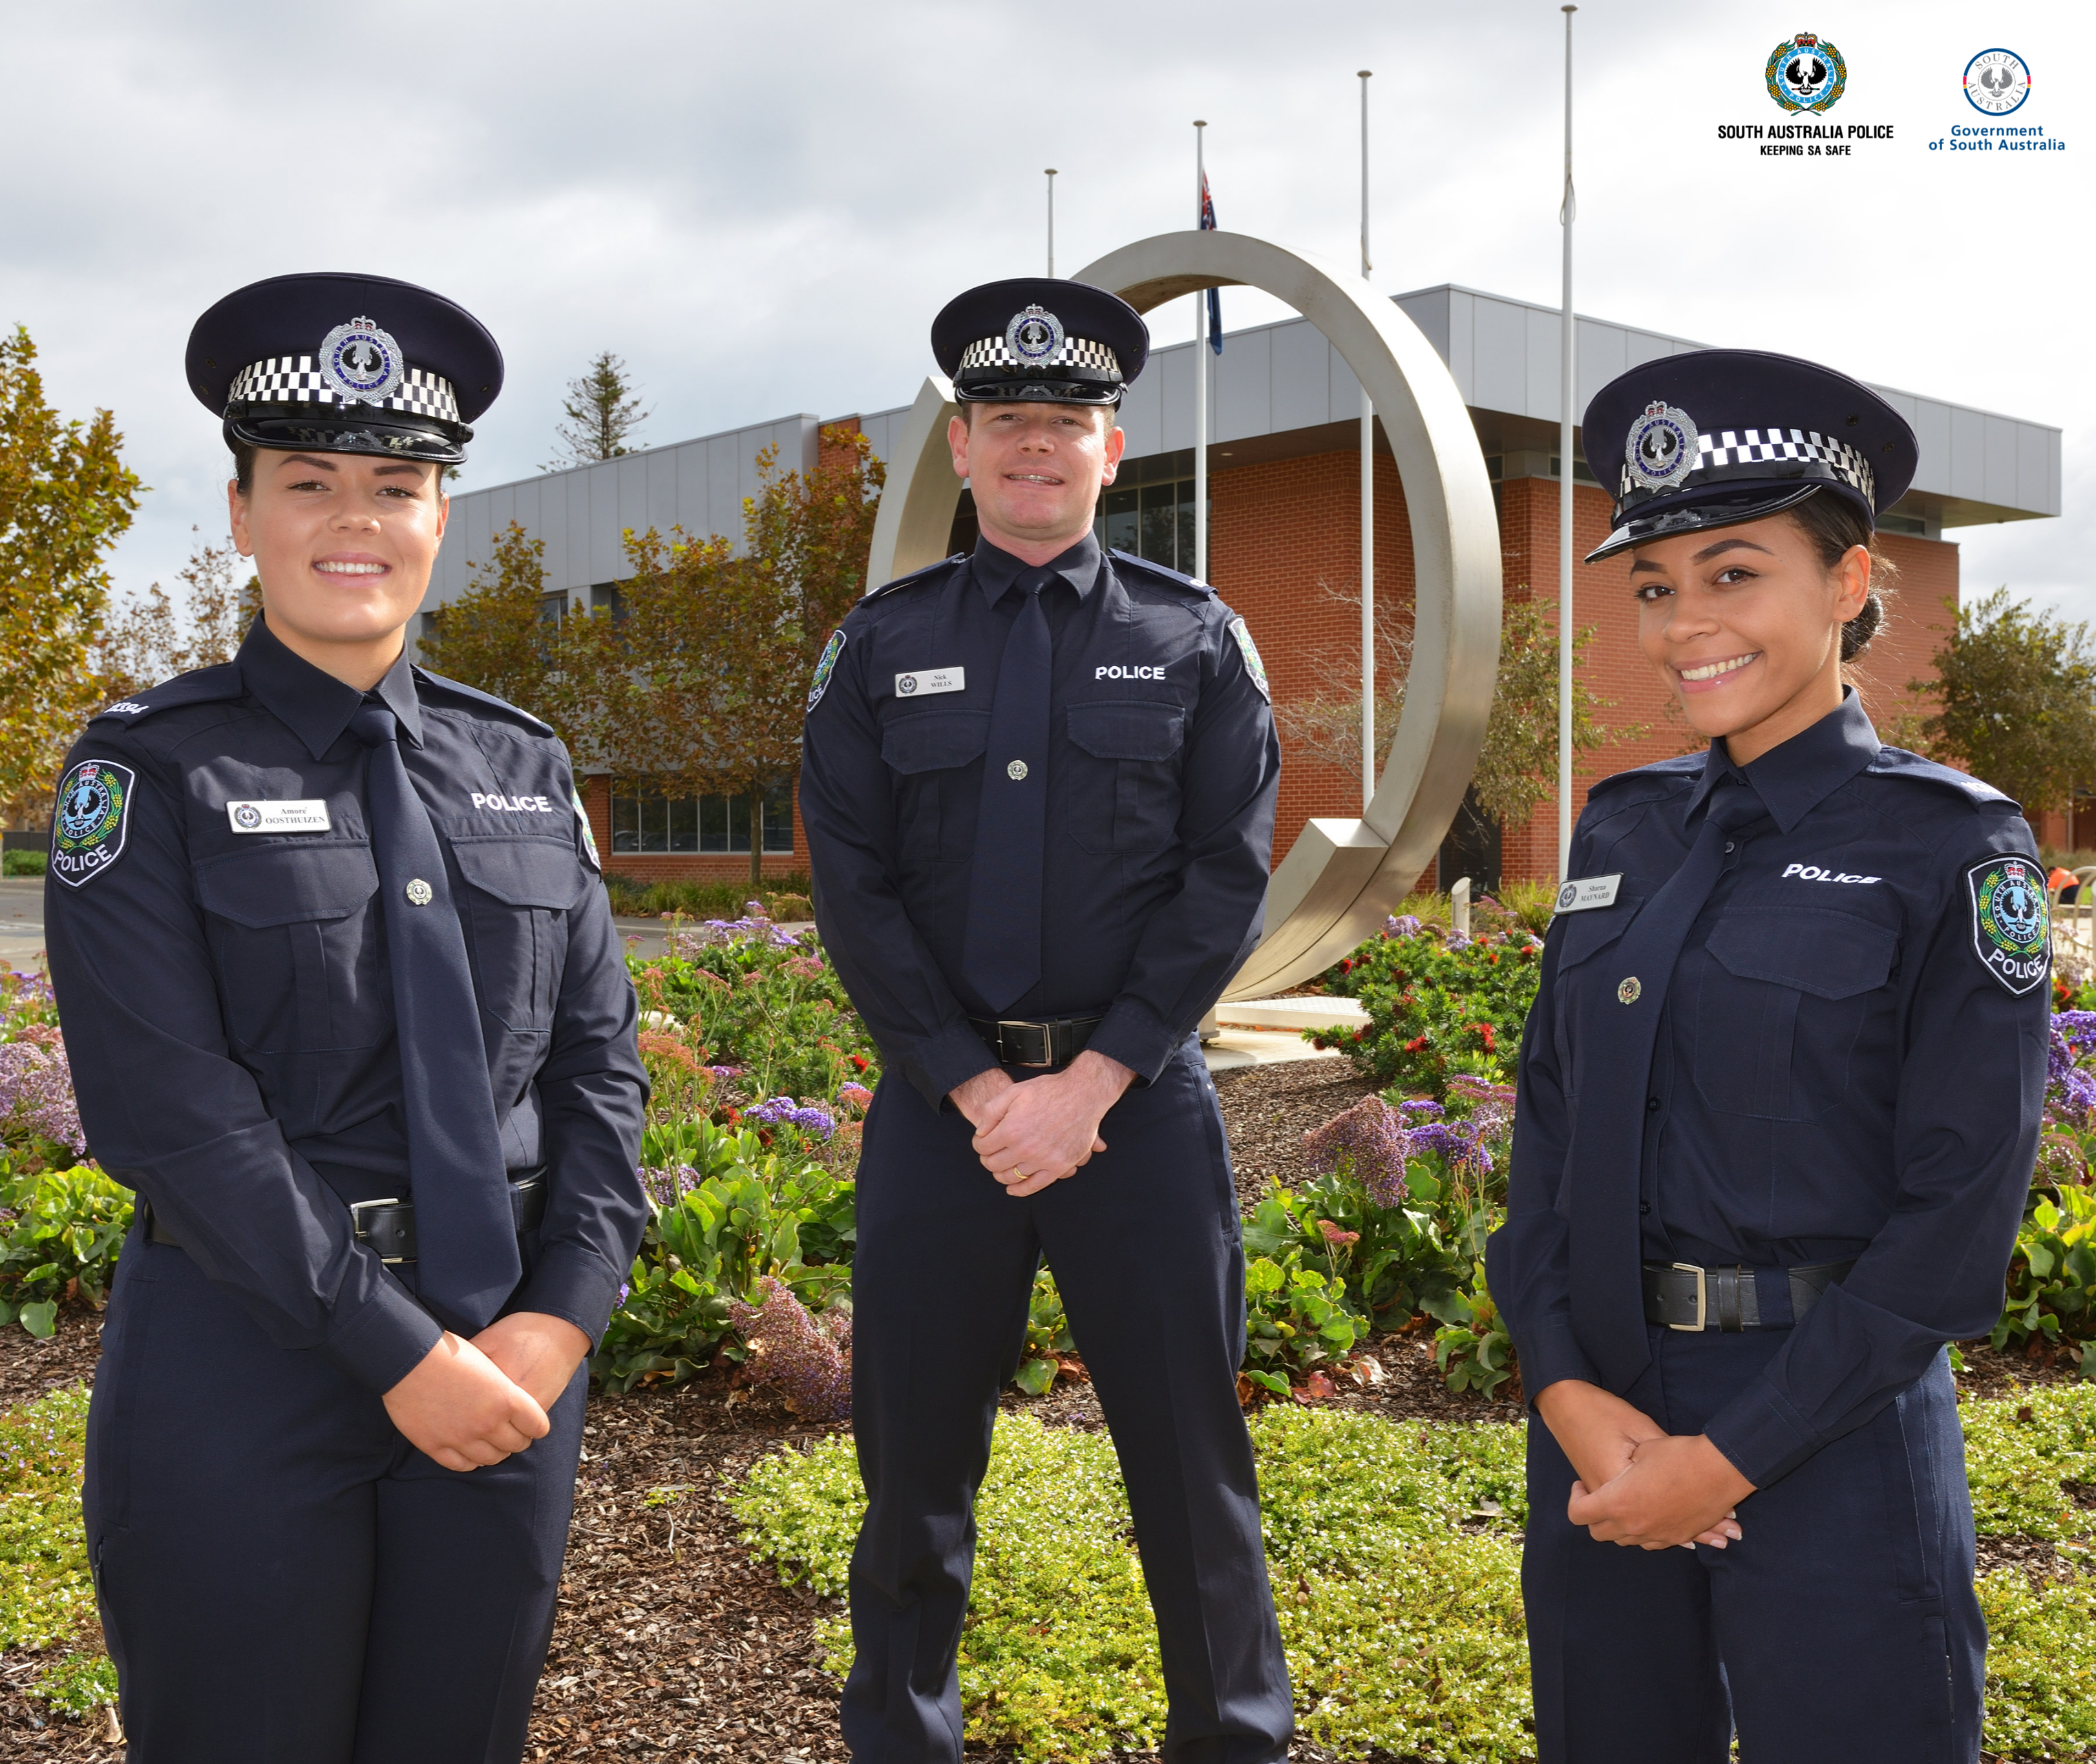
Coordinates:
<point>1036,469</point>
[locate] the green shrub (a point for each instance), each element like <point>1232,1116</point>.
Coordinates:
<point>22,863</point>
<point>60,1232</point>
<point>633,899</point>
<point>1436,1009</point>
<point>79,1683</point>
<point>45,1594</point>
<point>2018,1454</point>
<point>1473,1347</point>
<point>1048,1338</point>
<point>2041,1666</point>
<point>1295,1319</point>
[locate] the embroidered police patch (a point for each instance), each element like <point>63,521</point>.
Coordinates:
<point>825,666</point>
<point>2011,921</point>
<point>1253,665</point>
<point>89,824</point>
<point>582,821</point>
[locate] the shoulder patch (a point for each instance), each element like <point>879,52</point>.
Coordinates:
<point>1253,665</point>
<point>2011,920</point>
<point>1897,762</point>
<point>204,686</point>
<point>90,820</point>
<point>1157,572</point>
<point>483,700</point>
<point>916,576</point>
<point>825,665</point>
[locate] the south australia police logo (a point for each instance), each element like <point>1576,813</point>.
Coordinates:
<point>2012,923</point>
<point>1033,336</point>
<point>1806,73</point>
<point>89,824</point>
<point>1662,448</point>
<point>360,363</point>
<point>825,666</point>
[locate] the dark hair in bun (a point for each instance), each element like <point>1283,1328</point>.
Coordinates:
<point>1836,526</point>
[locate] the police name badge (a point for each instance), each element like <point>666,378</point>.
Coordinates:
<point>1253,665</point>
<point>1582,893</point>
<point>2011,920</point>
<point>303,814</point>
<point>928,681</point>
<point>825,666</point>
<point>91,820</point>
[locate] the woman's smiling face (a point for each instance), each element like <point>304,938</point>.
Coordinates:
<point>1744,625</point>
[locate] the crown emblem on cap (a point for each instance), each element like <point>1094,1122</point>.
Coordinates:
<point>1805,40</point>
<point>360,362</point>
<point>1663,447</point>
<point>1034,336</point>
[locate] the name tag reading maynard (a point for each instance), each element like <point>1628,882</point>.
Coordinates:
<point>926,680</point>
<point>303,815</point>
<point>1585,892</point>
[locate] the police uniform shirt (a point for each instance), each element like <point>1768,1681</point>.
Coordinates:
<point>1848,1064</point>
<point>1159,813</point>
<point>228,1003</point>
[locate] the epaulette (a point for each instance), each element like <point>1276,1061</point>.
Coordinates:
<point>914,575</point>
<point>487,701</point>
<point>204,686</point>
<point>1897,762</point>
<point>1682,765</point>
<point>1158,573</point>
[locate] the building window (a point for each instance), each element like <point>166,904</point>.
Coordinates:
<point>1153,521</point>
<point>644,820</point>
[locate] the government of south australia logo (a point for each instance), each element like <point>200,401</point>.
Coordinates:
<point>88,826</point>
<point>2012,923</point>
<point>1807,73</point>
<point>1997,82</point>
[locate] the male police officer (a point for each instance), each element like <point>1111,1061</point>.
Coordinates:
<point>1038,783</point>
<point>346,1006</point>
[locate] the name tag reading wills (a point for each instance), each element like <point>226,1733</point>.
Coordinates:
<point>926,680</point>
<point>1583,893</point>
<point>304,814</point>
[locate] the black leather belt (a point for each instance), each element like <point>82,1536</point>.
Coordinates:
<point>1681,1295</point>
<point>1056,1042</point>
<point>388,1227</point>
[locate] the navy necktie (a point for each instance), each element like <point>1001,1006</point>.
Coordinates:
<point>1619,1027</point>
<point>465,1234</point>
<point>1000,952</point>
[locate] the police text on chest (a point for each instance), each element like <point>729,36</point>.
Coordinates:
<point>526,805</point>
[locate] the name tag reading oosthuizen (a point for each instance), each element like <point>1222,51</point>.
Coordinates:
<point>926,680</point>
<point>303,815</point>
<point>1584,892</point>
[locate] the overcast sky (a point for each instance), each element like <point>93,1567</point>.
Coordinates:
<point>761,206</point>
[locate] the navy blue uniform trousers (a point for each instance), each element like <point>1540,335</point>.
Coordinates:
<point>1843,1623</point>
<point>1144,1245</point>
<point>283,1579</point>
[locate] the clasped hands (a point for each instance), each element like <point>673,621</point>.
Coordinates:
<point>1638,1484</point>
<point>471,1403</point>
<point>1028,1135</point>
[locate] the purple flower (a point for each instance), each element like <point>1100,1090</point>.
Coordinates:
<point>1404,925</point>
<point>810,1117</point>
<point>35,1088</point>
<point>625,1291</point>
<point>1455,1141</point>
<point>1421,1105</point>
<point>806,1359</point>
<point>1371,1137</point>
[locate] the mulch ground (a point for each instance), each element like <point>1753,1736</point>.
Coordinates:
<point>670,1639</point>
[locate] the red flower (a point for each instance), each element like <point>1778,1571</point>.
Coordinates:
<point>1361,1033</point>
<point>1491,1041</point>
<point>1414,1045</point>
<point>1348,965</point>
<point>858,1060</point>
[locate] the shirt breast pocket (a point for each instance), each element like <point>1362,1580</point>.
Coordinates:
<point>518,892</point>
<point>927,751</point>
<point>1130,802</point>
<point>1782,999</point>
<point>301,957</point>
<point>1585,937</point>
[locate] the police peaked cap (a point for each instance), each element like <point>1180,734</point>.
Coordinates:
<point>1064,342</point>
<point>1716,437</point>
<point>342,364</point>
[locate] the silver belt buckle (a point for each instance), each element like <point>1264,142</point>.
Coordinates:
<point>356,1210</point>
<point>1046,1043</point>
<point>1702,1296</point>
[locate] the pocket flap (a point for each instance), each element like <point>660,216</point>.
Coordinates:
<point>1588,933</point>
<point>287,884</point>
<point>1128,731</point>
<point>522,873</point>
<point>1830,954</point>
<point>935,741</point>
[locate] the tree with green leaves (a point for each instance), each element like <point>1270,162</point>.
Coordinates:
<point>156,636</point>
<point>505,635</point>
<point>66,498</point>
<point>601,411</point>
<point>2016,697</point>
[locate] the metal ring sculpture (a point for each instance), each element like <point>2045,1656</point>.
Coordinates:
<point>1342,877</point>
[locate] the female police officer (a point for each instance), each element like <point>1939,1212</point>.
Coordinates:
<point>1779,1102</point>
<point>347,1009</point>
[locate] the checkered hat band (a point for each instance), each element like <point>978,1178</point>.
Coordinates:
<point>1722,455</point>
<point>294,380</point>
<point>1075,352</point>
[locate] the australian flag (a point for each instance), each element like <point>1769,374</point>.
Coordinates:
<point>1214,294</point>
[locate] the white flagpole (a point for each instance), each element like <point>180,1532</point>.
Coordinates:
<point>1571,390</point>
<point>1200,379</point>
<point>1052,223</point>
<point>1367,510</point>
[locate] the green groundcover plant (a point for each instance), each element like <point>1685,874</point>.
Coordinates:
<point>1395,1559</point>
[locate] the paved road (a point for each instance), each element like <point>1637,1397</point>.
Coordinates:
<point>22,921</point>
